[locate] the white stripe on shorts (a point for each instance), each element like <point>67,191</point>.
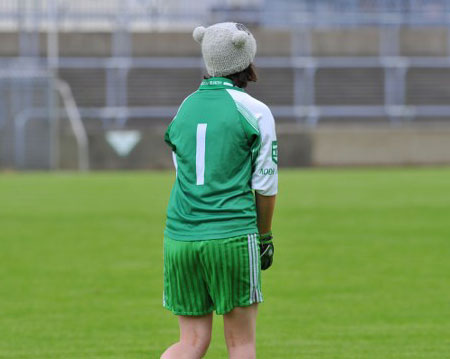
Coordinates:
<point>255,266</point>
<point>255,292</point>
<point>258,271</point>
<point>250,260</point>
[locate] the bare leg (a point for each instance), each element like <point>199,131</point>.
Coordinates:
<point>195,336</point>
<point>240,332</point>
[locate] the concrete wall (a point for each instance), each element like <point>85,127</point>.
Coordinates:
<point>324,42</point>
<point>343,145</point>
<point>88,44</point>
<point>381,145</point>
<point>424,42</point>
<point>298,146</point>
<point>345,42</point>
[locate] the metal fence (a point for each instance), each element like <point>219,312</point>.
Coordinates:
<point>30,82</point>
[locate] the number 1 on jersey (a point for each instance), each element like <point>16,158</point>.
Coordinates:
<point>200,153</point>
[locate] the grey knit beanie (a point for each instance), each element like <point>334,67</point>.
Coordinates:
<point>227,47</point>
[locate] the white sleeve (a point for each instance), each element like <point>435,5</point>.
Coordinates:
<point>265,174</point>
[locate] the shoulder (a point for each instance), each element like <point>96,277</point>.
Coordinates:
<point>187,99</point>
<point>253,110</point>
<point>253,105</point>
<point>180,110</point>
<point>183,107</point>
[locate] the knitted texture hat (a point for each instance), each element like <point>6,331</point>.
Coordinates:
<point>227,47</point>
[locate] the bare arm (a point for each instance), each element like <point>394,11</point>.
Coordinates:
<point>265,206</point>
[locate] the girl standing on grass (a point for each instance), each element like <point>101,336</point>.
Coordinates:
<point>218,232</point>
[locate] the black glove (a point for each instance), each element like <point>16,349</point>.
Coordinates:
<point>266,249</point>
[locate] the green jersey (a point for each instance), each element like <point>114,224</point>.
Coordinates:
<point>224,146</point>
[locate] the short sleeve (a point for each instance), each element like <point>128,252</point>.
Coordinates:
<point>167,137</point>
<point>265,173</point>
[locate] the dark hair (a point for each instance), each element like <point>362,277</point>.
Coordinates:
<point>241,79</point>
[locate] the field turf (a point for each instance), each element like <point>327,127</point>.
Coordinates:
<point>362,266</point>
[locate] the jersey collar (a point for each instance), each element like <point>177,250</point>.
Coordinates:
<point>214,83</point>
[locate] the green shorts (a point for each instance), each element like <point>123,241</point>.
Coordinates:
<point>219,274</point>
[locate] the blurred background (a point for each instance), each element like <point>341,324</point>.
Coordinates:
<point>93,84</point>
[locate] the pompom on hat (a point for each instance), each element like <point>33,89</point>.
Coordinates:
<point>227,47</point>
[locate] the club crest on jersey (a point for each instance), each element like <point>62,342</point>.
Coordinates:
<point>275,151</point>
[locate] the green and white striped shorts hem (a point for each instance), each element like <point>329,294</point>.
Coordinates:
<point>219,274</point>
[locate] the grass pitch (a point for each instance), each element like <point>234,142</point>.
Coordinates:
<point>362,266</point>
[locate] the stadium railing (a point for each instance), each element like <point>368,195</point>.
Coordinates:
<point>29,18</point>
